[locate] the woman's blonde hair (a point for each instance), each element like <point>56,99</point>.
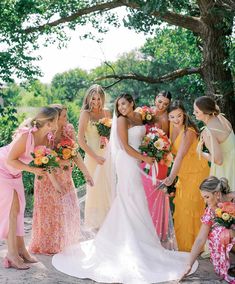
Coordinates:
<point>213,184</point>
<point>58,107</point>
<point>93,90</point>
<point>44,115</point>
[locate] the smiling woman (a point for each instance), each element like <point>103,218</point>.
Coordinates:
<point>97,197</point>
<point>190,170</point>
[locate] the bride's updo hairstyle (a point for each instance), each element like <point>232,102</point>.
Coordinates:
<point>93,90</point>
<point>127,97</point>
<point>207,105</point>
<point>213,184</point>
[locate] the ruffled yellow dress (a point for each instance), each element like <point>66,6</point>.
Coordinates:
<point>189,205</point>
<point>97,202</point>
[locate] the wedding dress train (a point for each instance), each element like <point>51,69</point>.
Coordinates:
<point>126,249</point>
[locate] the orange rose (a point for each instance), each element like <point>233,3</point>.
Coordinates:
<point>66,153</point>
<point>38,161</point>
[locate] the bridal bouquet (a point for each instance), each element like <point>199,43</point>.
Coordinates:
<point>156,144</point>
<point>147,114</point>
<point>45,158</point>
<point>104,129</point>
<point>225,217</point>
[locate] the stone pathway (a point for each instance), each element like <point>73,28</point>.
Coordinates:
<point>44,273</point>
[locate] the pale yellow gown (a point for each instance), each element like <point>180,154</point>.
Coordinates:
<point>189,205</point>
<point>227,169</point>
<point>97,201</point>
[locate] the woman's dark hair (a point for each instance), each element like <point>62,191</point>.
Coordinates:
<point>177,104</point>
<point>207,105</point>
<point>127,97</point>
<point>213,184</point>
<point>165,94</point>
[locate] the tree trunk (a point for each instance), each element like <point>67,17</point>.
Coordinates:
<point>217,76</point>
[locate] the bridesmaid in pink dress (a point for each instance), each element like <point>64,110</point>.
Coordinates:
<point>158,201</point>
<point>56,214</point>
<point>14,158</point>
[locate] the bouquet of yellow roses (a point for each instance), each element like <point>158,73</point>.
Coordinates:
<point>104,128</point>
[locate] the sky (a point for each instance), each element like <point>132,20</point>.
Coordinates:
<point>87,54</point>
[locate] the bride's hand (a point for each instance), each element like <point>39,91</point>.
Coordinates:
<point>186,272</point>
<point>148,160</point>
<point>100,160</point>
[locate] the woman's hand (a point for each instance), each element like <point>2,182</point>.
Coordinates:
<point>148,160</point>
<point>38,171</point>
<point>100,160</point>
<point>168,181</point>
<point>89,180</point>
<point>186,272</point>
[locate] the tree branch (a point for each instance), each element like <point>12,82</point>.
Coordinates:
<point>165,78</point>
<point>188,22</point>
<point>191,23</point>
<point>82,12</point>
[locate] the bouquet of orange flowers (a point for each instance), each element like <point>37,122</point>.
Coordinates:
<point>225,214</point>
<point>147,114</point>
<point>45,158</point>
<point>104,129</point>
<point>156,144</point>
<point>66,149</point>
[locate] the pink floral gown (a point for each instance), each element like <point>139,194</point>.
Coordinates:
<point>219,253</point>
<point>159,205</point>
<point>56,216</point>
<point>10,180</point>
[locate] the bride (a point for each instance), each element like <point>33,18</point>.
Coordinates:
<point>126,249</point>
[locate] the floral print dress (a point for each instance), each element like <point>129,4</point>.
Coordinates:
<point>219,252</point>
<point>56,216</point>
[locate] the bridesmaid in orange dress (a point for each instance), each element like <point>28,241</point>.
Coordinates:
<point>14,158</point>
<point>56,214</point>
<point>158,201</point>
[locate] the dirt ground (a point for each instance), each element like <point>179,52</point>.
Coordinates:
<point>44,273</point>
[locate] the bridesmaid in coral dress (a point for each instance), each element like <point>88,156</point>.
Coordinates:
<point>14,158</point>
<point>56,214</point>
<point>191,171</point>
<point>97,201</point>
<point>158,200</point>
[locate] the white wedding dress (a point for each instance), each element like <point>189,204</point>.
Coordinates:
<point>126,249</point>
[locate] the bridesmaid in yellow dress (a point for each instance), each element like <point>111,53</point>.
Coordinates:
<point>191,171</point>
<point>219,138</point>
<point>97,201</point>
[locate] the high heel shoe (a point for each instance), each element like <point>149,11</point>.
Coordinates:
<point>8,263</point>
<point>27,260</point>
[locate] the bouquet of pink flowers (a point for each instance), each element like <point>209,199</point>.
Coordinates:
<point>147,114</point>
<point>104,129</point>
<point>45,158</point>
<point>156,144</point>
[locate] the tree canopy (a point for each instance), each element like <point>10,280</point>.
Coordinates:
<point>23,22</point>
